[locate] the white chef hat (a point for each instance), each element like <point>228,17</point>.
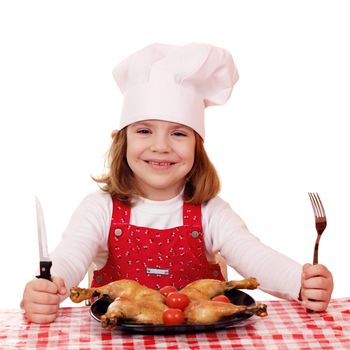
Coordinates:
<point>175,83</point>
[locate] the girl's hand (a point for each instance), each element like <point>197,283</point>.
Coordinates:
<point>316,287</point>
<point>41,299</point>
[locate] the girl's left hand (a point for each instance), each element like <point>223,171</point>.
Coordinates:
<point>316,287</point>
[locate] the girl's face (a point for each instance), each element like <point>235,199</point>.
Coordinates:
<point>160,154</point>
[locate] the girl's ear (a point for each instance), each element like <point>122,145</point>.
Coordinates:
<point>114,133</point>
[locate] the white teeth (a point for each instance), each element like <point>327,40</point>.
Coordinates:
<point>160,163</point>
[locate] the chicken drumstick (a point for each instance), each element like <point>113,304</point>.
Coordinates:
<point>205,289</point>
<point>143,312</point>
<point>208,311</point>
<point>121,288</point>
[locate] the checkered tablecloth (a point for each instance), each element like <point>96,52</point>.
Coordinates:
<point>288,326</point>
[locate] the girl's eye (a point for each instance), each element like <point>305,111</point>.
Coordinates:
<point>143,131</point>
<point>179,133</point>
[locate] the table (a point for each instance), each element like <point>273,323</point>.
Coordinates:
<point>288,326</point>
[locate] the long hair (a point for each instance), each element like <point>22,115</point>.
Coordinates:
<point>202,183</point>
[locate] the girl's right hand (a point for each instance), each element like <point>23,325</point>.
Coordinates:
<point>41,299</point>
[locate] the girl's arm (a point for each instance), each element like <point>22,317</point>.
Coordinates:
<point>225,232</point>
<point>85,236</point>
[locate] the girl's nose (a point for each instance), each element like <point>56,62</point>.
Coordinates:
<point>160,144</point>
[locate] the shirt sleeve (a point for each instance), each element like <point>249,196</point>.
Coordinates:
<point>225,232</point>
<point>85,236</point>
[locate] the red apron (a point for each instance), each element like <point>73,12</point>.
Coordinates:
<point>156,258</point>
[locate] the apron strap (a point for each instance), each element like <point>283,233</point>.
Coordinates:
<point>121,212</point>
<point>192,216</point>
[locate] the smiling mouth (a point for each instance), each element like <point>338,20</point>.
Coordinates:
<point>159,165</point>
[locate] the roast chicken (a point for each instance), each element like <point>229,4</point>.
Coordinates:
<point>136,303</point>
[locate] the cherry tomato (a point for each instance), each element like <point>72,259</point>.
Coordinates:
<point>173,316</point>
<point>177,300</point>
<point>222,298</point>
<point>167,290</point>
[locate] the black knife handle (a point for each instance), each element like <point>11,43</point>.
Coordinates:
<point>45,267</point>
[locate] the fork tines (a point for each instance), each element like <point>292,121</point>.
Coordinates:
<point>317,205</point>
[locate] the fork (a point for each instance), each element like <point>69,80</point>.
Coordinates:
<point>320,220</point>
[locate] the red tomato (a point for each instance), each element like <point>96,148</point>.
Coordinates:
<point>167,289</point>
<point>177,300</point>
<point>173,316</point>
<point>222,298</point>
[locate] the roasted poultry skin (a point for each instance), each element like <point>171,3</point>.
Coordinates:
<point>139,304</point>
<point>136,311</point>
<point>205,289</point>
<point>208,311</point>
<point>122,288</point>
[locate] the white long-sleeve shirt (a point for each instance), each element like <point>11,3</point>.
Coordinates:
<point>85,240</point>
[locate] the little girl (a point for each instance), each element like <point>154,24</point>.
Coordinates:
<point>157,218</point>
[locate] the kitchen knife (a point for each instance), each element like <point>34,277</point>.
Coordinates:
<point>45,261</point>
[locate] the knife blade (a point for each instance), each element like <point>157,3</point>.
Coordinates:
<point>45,261</point>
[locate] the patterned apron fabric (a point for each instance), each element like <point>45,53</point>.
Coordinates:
<point>156,258</point>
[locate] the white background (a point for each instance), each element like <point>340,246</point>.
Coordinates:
<point>283,133</point>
